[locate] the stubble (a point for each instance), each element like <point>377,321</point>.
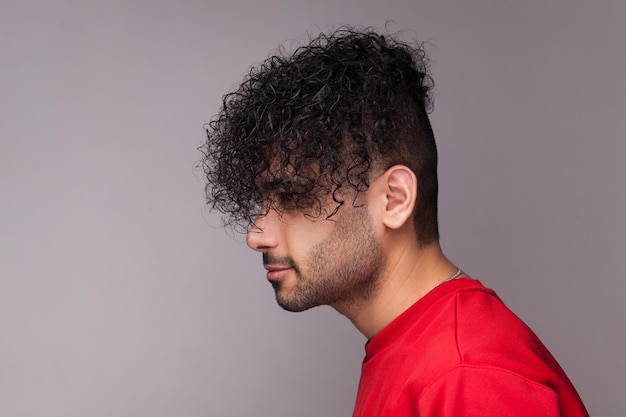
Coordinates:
<point>342,270</point>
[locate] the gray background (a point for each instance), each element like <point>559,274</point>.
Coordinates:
<point>121,296</point>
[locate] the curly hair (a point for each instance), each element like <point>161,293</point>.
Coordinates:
<point>303,126</point>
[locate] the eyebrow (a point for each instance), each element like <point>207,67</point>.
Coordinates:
<point>273,183</point>
<point>290,184</point>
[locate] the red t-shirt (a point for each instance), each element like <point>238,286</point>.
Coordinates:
<point>460,352</point>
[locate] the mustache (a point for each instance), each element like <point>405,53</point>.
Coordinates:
<point>270,259</point>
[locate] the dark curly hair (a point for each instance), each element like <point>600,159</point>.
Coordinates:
<point>303,126</point>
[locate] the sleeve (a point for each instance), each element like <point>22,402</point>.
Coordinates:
<point>475,391</point>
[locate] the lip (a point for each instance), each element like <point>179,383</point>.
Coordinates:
<point>276,272</point>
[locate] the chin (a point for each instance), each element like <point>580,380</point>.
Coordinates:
<point>293,305</point>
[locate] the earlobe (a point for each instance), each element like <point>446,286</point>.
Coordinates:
<point>401,194</point>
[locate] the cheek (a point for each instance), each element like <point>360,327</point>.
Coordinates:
<point>303,237</point>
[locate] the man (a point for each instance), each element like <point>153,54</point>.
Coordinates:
<point>326,157</point>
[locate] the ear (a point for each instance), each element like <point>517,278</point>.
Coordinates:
<point>401,192</point>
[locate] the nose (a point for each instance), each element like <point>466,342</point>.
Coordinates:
<point>264,233</point>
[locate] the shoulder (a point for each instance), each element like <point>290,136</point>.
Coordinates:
<point>471,390</point>
<point>488,333</point>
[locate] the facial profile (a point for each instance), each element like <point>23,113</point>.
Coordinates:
<point>313,260</point>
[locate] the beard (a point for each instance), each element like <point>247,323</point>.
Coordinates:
<point>341,270</point>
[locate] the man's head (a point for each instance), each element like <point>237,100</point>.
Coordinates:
<point>309,131</point>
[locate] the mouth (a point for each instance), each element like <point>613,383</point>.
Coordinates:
<point>277,272</point>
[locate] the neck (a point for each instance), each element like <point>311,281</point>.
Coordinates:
<point>410,272</point>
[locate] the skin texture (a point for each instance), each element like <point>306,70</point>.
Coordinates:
<point>313,261</point>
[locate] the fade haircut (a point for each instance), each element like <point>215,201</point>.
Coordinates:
<point>305,125</point>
